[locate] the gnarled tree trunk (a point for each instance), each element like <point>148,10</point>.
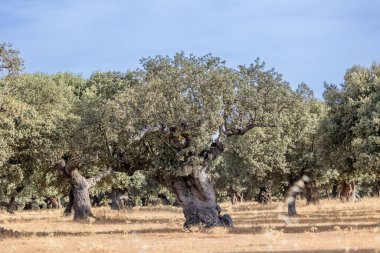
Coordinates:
<point>195,194</point>
<point>80,187</point>
<point>82,203</point>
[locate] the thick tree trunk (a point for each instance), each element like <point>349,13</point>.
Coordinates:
<point>311,193</point>
<point>82,203</point>
<point>265,195</point>
<point>195,194</point>
<point>80,187</point>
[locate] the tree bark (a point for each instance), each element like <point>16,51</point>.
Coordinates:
<point>115,198</point>
<point>70,204</point>
<point>195,194</point>
<point>80,187</point>
<point>82,203</point>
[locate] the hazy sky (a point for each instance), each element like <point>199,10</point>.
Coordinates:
<point>306,40</point>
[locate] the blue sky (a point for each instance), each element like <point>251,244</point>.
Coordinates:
<point>306,40</point>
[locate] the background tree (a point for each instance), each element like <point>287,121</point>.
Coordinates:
<point>39,124</point>
<point>302,155</point>
<point>350,144</point>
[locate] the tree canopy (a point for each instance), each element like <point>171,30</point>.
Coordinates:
<point>176,124</point>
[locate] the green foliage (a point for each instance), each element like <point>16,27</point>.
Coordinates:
<point>351,131</point>
<point>161,120</point>
<point>36,120</point>
<point>10,62</point>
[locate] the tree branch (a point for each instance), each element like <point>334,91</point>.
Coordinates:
<point>146,130</point>
<point>67,167</point>
<point>216,149</point>
<point>242,131</point>
<point>92,181</point>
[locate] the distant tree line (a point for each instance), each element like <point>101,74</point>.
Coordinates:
<point>178,127</point>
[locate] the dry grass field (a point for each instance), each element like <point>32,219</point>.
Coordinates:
<point>331,226</point>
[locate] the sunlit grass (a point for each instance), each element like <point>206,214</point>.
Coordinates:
<point>331,226</point>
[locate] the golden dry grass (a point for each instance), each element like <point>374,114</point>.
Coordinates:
<point>329,227</point>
